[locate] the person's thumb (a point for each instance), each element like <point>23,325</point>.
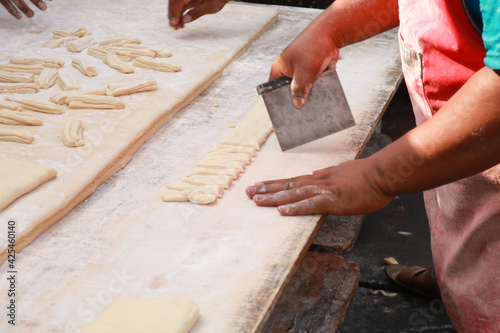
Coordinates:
<point>300,87</point>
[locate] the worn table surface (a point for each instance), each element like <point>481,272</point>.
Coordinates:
<point>232,258</point>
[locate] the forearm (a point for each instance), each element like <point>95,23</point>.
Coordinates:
<point>460,140</point>
<point>351,21</point>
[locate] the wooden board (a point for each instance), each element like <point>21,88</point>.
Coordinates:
<point>232,258</point>
<point>113,136</point>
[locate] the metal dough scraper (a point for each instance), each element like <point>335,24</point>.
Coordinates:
<point>326,111</point>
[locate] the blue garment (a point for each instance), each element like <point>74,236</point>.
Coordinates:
<point>486,14</point>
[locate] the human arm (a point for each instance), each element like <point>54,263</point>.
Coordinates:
<point>343,23</point>
<point>460,140</point>
<point>178,16</point>
<point>15,7</point>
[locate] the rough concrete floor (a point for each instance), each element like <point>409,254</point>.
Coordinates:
<point>378,239</point>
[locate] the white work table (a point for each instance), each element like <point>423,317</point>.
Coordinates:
<point>231,258</point>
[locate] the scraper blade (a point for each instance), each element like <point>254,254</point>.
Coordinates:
<point>326,111</point>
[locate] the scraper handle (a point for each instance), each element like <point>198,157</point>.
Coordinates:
<point>273,85</point>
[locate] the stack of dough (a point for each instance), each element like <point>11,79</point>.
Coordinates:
<point>224,162</point>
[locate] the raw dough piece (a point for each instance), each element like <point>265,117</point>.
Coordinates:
<point>200,198</point>
<point>174,195</point>
<point>223,156</point>
<point>47,78</point>
<point>112,60</point>
<point>41,106</point>
<point>156,64</point>
<point>127,88</point>
<point>66,82</point>
<point>86,101</point>
<point>233,149</point>
<point>19,177</point>
<point>10,105</point>
<point>133,52</point>
<point>234,173</point>
<point>50,63</point>
<point>151,315</point>
<point>183,186</point>
<point>16,136</point>
<point>19,88</point>
<point>9,77</point>
<point>209,163</point>
<point>72,134</point>
<point>10,117</point>
<point>60,98</point>
<point>85,68</point>
<point>54,43</point>
<point>222,180</point>
<point>82,32</point>
<point>160,53</point>
<point>80,44</point>
<point>34,69</point>
<point>125,41</point>
<point>227,159</point>
<point>97,52</point>
<point>113,40</point>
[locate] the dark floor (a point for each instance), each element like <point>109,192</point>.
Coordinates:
<point>379,239</point>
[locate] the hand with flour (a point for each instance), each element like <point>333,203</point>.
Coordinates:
<point>181,12</point>
<point>15,7</point>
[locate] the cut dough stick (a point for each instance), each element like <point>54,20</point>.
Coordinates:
<point>125,41</point>
<point>55,43</point>
<point>19,88</point>
<point>127,88</point>
<point>86,101</point>
<point>82,32</point>
<point>72,134</point>
<point>174,195</point>
<point>113,61</point>
<point>232,149</point>
<point>9,77</point>
<point>84,67</point>
<point>97,52</point>
<point>156,64</point>
<point>34,69</point>
<point>160,53</point>
<point>20,177</point>
<point>10,106</point>
<point>200,198</point>
<point>113,40</point>
<point>234,173</point>
<point>223,156</point>
<point>41,106</point>
<point>80,44</point>
<point>187,187</point>
<point>200,180</point>
<point>209,163</point>
<point>15,136</point>
<point>49,63</point>
<point>66,82</point>
<point>60,98</point>
<point>133,52</point>
<point>47,78</point>
<point>10,117</point>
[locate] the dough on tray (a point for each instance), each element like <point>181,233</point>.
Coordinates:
<point>139,315</point>
<point>20,177</point>
<point>15,135</point>
<point>72,134</point>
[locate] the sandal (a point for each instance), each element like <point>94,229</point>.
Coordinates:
<point>416,279</point>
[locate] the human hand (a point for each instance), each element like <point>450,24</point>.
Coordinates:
<point>195,8</point>
<point>345,189</point>
<point>13,5</point>
<point>305,59</point>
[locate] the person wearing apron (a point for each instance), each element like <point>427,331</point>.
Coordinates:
<point>454,152</point>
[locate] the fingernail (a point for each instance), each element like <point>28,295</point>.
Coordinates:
<point>187,19</point>
<point>298,102</point>
<point>251,190</point>
<point>284,209</point>
<point>258,197</point>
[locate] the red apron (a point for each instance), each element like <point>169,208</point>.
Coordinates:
<point>440,51</point>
